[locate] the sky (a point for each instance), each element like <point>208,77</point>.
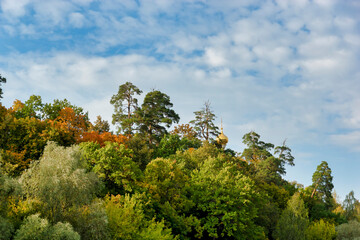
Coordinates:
<point>286,69</point>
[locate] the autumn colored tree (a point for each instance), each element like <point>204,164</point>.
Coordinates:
<point>68,128</point>
<point>204,123</point>
<point>184,130</point>
<point>156,115</point>
<point>22,140</point>
<point>2,80</point>
<point>125,105</point>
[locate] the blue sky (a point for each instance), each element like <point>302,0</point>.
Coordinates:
<point>287,69</point>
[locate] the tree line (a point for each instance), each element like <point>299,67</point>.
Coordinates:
<point>64,177</point>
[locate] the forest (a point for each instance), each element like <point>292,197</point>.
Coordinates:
<point>65,177</point>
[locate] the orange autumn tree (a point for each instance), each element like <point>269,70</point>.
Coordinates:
<point>21,139</point>
<point>69,127</point>
<point>101,138</point>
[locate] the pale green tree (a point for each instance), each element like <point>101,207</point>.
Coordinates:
<point>60,181</point>
<point>36,228</point>
<point>348,231</point>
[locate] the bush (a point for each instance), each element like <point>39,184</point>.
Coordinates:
<point>321,230</point>
<point>347,231</point>
<point>36,228</point>
<point>6,229</point>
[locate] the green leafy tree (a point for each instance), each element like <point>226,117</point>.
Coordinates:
<point>91,221</point>
<point>293,221</point>
<point>127,220</point>
<point>169,144</point>
<point>350,206</point>
<point>114,165</point>
<point>52,110</point>
<point>125,105</point>
<point>60,181</point>
<point>6,229</point>
<point>225,201</point>
<point>322,183</point>
<point>204,123</point>
<point>2,80</point>
<point>32,108</point>
<point>321,230</point>
<point>37,228</point>
<point>156,115</point>
<point>347,231</point>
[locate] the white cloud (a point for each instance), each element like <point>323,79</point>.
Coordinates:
<point>14,8</point>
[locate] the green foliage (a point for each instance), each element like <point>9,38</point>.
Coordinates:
<point>226,201</point>
<point>256,150</point>
<point>156,115</point>
<point>100,125</point>
<point>347,231</point>
<point>204,123</point>
<point>2,80</point>
<point>127,220</point>
<point>6,229</point>
<point>52,110</point>
<point>321,230</point>
<point>264,166</point>
<point>32,108</point>
<point>322,183</point>
<point>36,228</point>
<point>170,144</point>
<point>166,182</point>
<point>349,206</point>
<point>142,153</point>
<point>293,221</point>
<point>59,180</point>
<point>125,105</point>
<point>90,221</point>
<point>113,164</point>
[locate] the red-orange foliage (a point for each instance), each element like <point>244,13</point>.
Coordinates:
<point>101,138</point>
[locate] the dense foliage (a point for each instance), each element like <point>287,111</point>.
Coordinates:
<point>62,177</point>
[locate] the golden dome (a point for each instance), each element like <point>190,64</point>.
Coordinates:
<point>222,139</point>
